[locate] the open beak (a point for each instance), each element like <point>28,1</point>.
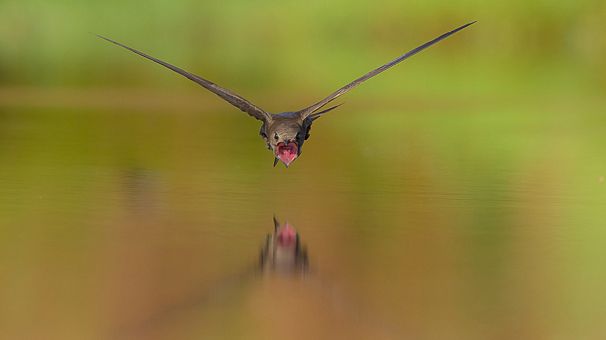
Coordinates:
<point>286,153</point>
<point>286,235</point>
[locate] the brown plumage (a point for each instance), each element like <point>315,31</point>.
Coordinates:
<point>284,133</point>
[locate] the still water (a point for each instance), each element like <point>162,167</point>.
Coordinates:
<point>432,222</point>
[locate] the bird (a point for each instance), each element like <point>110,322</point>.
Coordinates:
<point>284,133</point>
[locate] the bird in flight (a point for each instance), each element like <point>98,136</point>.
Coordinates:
<point>285,132</point>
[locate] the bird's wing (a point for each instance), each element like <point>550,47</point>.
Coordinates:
<point>313,108</point>
<point>226,94</point>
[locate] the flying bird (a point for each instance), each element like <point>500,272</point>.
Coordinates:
<point>285,132</point>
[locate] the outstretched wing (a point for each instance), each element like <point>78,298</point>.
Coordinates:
<point>313,108</point>
<point>226,94</point>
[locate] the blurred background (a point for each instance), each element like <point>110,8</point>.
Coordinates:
<point>460,195</point>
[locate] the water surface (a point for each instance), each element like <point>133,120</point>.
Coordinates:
<point>441,221</point>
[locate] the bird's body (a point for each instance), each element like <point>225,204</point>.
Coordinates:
<point>284,133</point>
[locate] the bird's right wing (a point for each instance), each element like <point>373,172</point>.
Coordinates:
<point>229,96</point>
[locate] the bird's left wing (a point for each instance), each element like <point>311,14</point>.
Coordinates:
<point>306,112</point>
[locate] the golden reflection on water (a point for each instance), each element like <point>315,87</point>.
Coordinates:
<point>278,297</point>
<point>147,225</point>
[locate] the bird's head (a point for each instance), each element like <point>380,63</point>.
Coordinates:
<point>284,139</point>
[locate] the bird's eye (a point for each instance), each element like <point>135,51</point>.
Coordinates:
<point>276,137</point>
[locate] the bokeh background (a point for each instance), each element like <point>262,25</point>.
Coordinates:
<point>460,195</point>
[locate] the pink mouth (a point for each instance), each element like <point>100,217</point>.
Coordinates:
<point>287,153</point>
<point>287,235</point>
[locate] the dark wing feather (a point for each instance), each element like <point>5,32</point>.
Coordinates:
<point>313,108</point>
<point>317,115</point>
<point>226,94</point>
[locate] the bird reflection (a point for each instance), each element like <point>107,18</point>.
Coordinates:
<point>282,252</point>
<point>284,262</point>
